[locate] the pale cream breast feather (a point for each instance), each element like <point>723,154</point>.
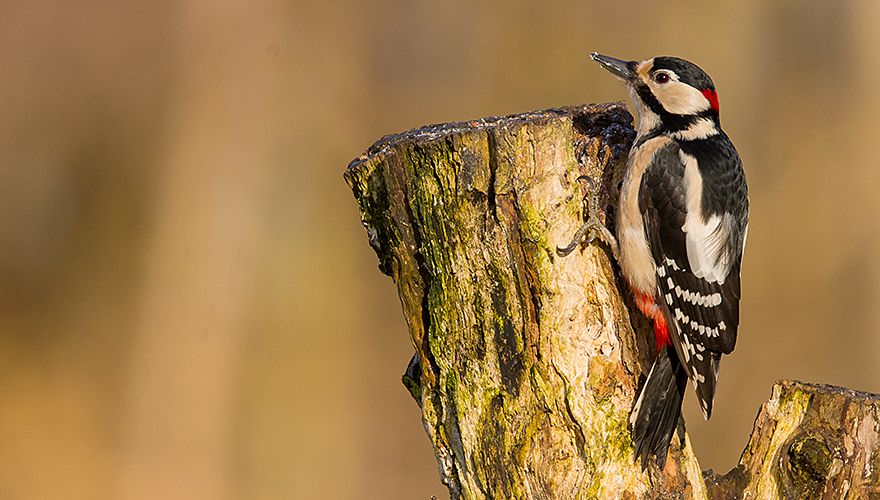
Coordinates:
<point>636,260</point>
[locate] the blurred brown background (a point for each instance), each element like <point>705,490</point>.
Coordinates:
<point>188,304</point>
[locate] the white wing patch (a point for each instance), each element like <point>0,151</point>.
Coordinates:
<point>706,239</point>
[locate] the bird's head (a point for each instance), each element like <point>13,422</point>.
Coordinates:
<point>667,91</point>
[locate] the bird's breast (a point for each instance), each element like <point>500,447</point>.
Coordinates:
<point>636,260</point>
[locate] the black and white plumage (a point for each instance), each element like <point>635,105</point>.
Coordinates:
<point>681,229</point>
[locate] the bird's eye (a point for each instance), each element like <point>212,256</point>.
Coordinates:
<point>661,78</point>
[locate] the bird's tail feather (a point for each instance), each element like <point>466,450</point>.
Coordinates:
<point>656,412</point>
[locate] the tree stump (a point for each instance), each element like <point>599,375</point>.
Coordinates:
<point>527,364</point>
<point>809,441</point>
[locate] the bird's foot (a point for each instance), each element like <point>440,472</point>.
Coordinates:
<point>593,228</point>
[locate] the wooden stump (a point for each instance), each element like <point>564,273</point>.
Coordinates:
<point>527,364</point>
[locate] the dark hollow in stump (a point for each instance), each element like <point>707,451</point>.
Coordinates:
<point>527,364</point>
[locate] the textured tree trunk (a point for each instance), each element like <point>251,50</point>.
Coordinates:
<point>527,364</point>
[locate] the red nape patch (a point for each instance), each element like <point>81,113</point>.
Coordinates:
<point>661,332</point>
<point>712,97</point>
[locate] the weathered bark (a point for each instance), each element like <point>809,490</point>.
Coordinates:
<point>809,441</point>
<point>527,364</point>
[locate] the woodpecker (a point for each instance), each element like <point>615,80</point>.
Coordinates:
<point>682,222</point>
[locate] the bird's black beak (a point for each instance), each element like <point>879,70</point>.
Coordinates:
<point>617,67</point>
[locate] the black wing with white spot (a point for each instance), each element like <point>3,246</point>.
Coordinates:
<point>697,257</point>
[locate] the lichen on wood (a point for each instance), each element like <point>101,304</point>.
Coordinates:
<point>527,364</point>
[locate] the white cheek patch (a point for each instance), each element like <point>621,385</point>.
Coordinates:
<point>706,239</point>
<point>680,98</point>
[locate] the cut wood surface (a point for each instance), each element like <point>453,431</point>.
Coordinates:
<point>527,364</point>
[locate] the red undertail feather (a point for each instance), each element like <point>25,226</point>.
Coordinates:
<point>649,308</point>
<point>661,332</point>
<point>712,97</point>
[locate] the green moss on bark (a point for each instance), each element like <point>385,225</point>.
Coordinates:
<point>528,363</point>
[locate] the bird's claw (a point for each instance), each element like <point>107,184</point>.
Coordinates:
<point>575,241</point>
<point>593,228</point>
